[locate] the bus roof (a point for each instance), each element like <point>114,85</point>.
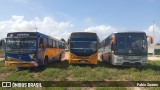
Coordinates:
<point>25,33</point>
<point>18,34</point>
<point>131,32</point>
<point>83,35</point>
<point>83,32</point>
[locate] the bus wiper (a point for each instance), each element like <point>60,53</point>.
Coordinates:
<point>140,51</point>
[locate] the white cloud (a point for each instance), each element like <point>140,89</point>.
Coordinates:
<point>47,26</point>
<point>62,29</point>
<point>88,21</point>
<point>104,31</point>
<point>149,32</point>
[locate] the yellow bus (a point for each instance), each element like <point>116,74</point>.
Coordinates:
<point>32,49</point>
<point>83,48</point>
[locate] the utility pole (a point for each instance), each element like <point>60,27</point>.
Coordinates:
<point>36,28</point>
<point>153,37</point>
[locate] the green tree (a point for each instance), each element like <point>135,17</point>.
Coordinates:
<point>62,39</point>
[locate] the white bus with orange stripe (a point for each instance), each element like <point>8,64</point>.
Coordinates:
<point>125,48</point>
<point>32,49</point>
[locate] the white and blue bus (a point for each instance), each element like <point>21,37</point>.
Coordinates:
<point>125,48</point>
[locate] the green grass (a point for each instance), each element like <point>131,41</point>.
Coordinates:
<point>44,88</point>
<point>1,64</point>
<point>101,72</point>
<point>21,76</point>
<point>1,53</point>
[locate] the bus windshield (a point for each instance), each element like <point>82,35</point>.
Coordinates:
<point>83,47</point>
<point>131,44</point>
<point>20,45</point>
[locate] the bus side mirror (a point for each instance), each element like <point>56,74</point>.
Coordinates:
<point>68,41</point>
<point>114,40</point>
<point>150,40</point>
<point>1,43</point>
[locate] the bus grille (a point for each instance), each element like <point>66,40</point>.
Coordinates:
<point>130,64</point>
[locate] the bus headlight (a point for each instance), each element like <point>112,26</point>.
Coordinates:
<point>72,56</point>
<point>118,58</point>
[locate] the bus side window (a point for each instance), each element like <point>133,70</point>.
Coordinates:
<point>45,42</point>
<point>57,44</point>
<point>63,46</point>
<point>50,43</point>
<point>54,43</point>
<point>60,45</point>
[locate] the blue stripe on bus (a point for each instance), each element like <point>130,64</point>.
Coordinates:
<point>23,57</point>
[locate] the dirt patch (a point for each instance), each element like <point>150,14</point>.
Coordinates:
<point>66,56</point>
<point>154,58</point>
<point>4,75</point>
<point>1,59</point>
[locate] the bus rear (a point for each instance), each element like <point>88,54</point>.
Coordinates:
<point>83,48</point>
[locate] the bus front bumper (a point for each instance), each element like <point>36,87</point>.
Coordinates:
<point>130,63</point>
<point>82,61</point>
<point>19,64</point>
<point>119,60</point>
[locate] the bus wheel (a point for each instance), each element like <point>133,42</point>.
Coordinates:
<point>102,58</point>
<point>110,62</point>
<point>19,68</point>
<point>59,59</point>
<point>93,65</point>
<point>32,69</point>
<point>46,61</point>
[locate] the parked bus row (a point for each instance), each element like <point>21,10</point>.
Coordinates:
<point>121,48</point>
<point>34,49</point>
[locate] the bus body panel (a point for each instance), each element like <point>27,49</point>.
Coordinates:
<point>74,59</point>
<point>54,53</point>
<point>83,48</point>
<point>21,56</point>
<point>106,56</point>
<point>130,49</point>
<point>129,60</point>
<point>21,60</point>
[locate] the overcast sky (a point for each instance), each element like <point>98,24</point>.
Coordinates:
<point>58,18</point>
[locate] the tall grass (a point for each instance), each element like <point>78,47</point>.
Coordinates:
<point>101,72</point>
<point>1,53</point>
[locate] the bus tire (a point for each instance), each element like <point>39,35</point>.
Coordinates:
<point>19,68</point>
<point>59,59</point>
<point>32,69</point>
<point>102,58</point>
<point>110,62</point>
<point>46,61</point>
